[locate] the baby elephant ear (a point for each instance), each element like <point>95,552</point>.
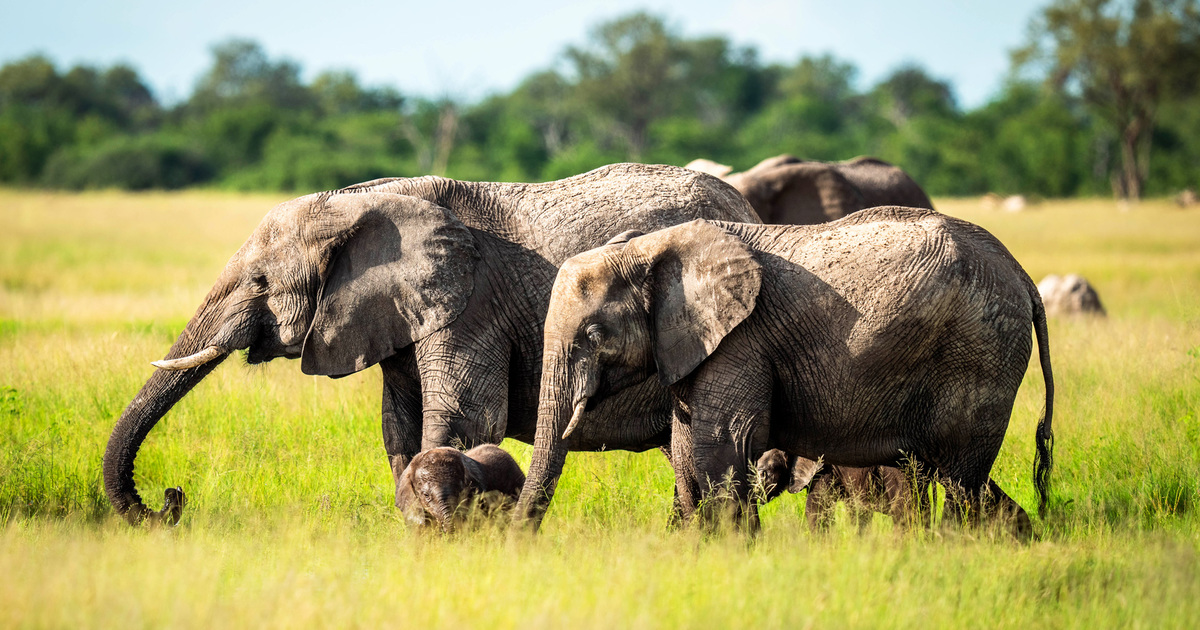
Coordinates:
<point>703,282</point>
<point>803,471</point>
<point>399,269</point>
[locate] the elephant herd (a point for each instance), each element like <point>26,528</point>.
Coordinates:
<point>636,307</point>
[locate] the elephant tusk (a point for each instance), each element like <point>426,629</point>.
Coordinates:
<point>190,361</point>
<point>575,417</point>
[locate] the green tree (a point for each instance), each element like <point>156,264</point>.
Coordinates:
<point>243,74</point>
<point>1125,58</point>
<point>813,112</point>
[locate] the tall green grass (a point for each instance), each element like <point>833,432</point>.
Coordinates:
<point>290,522</point>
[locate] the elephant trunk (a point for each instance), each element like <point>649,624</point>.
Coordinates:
<point>163,389</point>
<point>556,406</point>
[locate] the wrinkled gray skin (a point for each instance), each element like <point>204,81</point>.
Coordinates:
<point>894,330</point>
<point>884,489</point>
<point>439,484</point>
<point>790,191</point>
<point>443,283</point>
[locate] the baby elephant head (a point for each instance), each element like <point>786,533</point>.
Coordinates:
<point>777,471</point>
<point>436,483</point>
<point>443,485</point>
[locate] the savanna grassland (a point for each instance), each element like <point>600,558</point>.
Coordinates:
<point>290,520</point>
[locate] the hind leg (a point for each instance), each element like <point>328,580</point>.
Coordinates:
<point>1002,509</point>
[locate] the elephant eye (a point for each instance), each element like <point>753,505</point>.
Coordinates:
<point>595,334</point>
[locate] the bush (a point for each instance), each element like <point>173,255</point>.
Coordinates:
<point>130,163</point>
<point>309,163</point>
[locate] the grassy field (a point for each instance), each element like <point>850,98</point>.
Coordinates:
<point>290,522</point>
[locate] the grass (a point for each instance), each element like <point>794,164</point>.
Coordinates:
<point>290,522</point>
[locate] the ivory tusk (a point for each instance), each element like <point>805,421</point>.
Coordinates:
<point>575,417</point>
<point>190,361</point>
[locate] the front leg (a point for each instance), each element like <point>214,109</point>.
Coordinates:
<point>729,401</point>
<point>464,387</point>
<point>687,489</point>
<point>401,410</point>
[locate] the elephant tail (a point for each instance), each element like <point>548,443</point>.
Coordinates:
<point>1043,459</point>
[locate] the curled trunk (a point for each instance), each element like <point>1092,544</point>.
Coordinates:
<point>163,389</point>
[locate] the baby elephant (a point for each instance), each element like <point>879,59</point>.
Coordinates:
<point>884,489</point>
<point>441,484</point>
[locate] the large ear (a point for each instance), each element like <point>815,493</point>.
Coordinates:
<point>401,268</point>
<point>702,282</point>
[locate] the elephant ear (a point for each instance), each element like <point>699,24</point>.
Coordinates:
<point>803,471</point>
<point>401,268</point>
<point>476,481</point>
<point>702,282</point>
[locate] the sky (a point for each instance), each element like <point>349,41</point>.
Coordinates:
<point>468,49</point>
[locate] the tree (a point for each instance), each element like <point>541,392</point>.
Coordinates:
<point>909,92</point>
<point>242,74</point>
<point>1125,58</point>
<point>625,75</point>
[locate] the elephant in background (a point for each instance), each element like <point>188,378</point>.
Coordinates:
<point>787,190</point>
<point>443,483</point>
<point>885,489</point>
<point>443,283</point>
<point>894,333</point>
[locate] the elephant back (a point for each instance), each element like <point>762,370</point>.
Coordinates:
<point>883,184</point>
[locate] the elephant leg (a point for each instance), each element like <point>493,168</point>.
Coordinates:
<point>863,492</point>
<point>823,493</point>
<point>687,488</point>
<point>464,387</point>
<point>401,410</point>
<point>1001,508</point>
<point>906,494</point>
<point>729,405</point>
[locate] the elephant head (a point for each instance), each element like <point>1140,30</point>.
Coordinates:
<point>436,483</point>
<point>339,280</point>
<point>638,306</point>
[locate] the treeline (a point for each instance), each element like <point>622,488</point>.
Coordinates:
<point>633,91</point>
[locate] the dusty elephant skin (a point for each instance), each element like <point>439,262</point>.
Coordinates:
<point>441,484</point>
<point>885,489</point>
<point>443,283</point>
<point>894,330</point>
<point>787,190</point>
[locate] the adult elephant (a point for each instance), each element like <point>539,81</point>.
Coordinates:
<point>894,333</point>
<point>785,189</point>
<point>443,283</point>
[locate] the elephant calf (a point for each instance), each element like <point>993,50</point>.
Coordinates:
<point>442,484</point>
<point>884,489</point>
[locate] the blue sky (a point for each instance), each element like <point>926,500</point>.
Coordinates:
<point>468,49</point>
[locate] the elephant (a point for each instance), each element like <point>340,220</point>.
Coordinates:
<point>439,483</point>
<point>886,489</point>
<point>787,190</point>
<point>1070,295</point>
<point>893,333</point>
<point>443,283</point>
